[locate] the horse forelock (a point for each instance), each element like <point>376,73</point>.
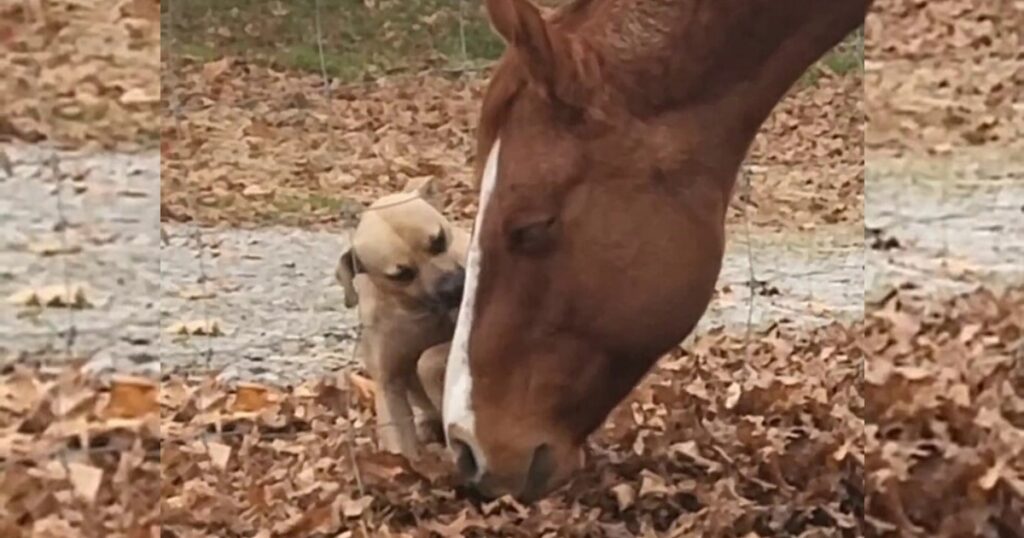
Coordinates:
<point>506,82</point>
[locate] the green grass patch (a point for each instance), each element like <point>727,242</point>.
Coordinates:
<point>360,38</point>
<point>846,57</point>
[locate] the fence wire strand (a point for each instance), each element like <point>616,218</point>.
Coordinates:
<point>751,276</point>
<point>349,441</point>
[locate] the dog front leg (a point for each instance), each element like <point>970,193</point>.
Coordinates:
<point>430,371</point>
<point>395,430</point>
<point>387,437</point>
<point>427,393</point>
<point>395,421</point>
<point>428,420</point>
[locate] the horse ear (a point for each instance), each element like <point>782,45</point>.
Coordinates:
<point>543,49</point>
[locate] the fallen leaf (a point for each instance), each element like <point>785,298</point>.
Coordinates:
<point>219,454</point>
<point>86,480</point>
<point>251,397</point>
<point>139,96</point>
<point>210,327</point>
<point>196,293</point>
<point>53,296</point>
<point>353,508</point>
<point>625,496</point>
<point>131,397</point>
<point>652,484</point>
<point>732,395</point>
<point>53,247</point>
<point>215,69</point>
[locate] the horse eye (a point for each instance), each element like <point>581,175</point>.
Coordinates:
<point>438,244</point>
<point>403,273</point>
<point>533,238</point>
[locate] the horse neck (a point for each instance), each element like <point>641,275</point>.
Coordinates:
<point>709,72</point>
<point>736,57</point>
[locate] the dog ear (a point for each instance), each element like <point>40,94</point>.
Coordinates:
<point>426,188</point>
<point>348,267</point>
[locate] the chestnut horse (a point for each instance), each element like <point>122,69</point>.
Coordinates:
<point>609,141</point>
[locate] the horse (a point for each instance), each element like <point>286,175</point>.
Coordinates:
<point>610,136</point>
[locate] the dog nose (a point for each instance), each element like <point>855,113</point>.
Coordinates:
<point>449,289</point>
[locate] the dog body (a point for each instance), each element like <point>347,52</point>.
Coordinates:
<point>405,272</point>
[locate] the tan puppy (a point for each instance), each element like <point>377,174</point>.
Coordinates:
<point>405,272</point>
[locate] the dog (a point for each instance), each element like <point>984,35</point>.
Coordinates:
<point>405,272</point>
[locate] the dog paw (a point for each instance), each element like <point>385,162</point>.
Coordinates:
<point>430,431</point>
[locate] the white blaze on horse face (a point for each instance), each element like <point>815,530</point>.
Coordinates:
<point>458,380</point>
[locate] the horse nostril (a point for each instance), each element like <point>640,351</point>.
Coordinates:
<point>465,461</point>
<point>542,467</point>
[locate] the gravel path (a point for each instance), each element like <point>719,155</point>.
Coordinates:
<point>110,203</point>
<point>944,225</point>
<point>801,279</point>
<point>274,293</point>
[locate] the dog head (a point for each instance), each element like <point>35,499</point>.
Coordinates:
<point>406,247</point>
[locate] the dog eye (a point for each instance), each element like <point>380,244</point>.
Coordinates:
<point>402,273</point>
<point>438,243</point>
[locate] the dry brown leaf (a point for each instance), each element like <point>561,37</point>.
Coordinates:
<point>251,397</point>
<point>53,247</point>
<point>215,69</point>
<point>196,293</point>
<point>625,496</point>
<point>131,397</point>
<point>219,454</point>
<point>207,327</point>
<point>52,296</point>
<point>652,484</point>
<point>733,395</point>
<point>86,480</point>
<point>139,96</point>
<point>353,508</point>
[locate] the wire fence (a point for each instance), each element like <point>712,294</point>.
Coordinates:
<point>63,334</point>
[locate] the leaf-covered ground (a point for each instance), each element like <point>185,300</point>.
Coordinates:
<point>80,74</point>
<point>245,144</point>
<point>908,424</point>
<point>944,75</point>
